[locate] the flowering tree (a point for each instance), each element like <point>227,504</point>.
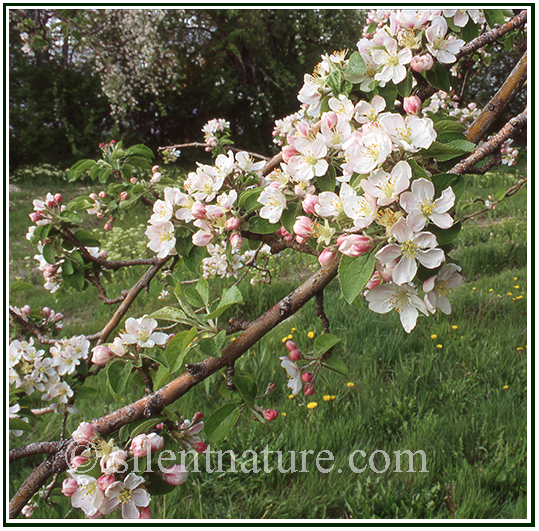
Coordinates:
<point>367,178</point>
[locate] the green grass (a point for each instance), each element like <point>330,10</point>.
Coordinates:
<point>454,388</point>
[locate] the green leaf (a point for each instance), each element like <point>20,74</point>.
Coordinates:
<point>67,268</point>
<point>442,152</point>
<point>470,31</point>
<point>493,17</point>
<point>221,422</point>
<point>356,64</point>
<point>445,236</point>
<point>354,273</point>
<point>324,342</point>
<point>194,259</point>
<point>79,169</point>
<point>337,366</point>
<point>211,346</point>
<point>48,253</point>
<point>157,486</point>
<point>169,314</point>
<point>417,171</point>
<point>500,194</point>
<point>229,298</point>
<point>463,144</point>
<point>174,349</point>
<point>404,88</point>
<point>249,199</point>
<point>79,203</point>
<point>247,388</point>
<point>19,285</point>
<point>389,93</point>
<point>70,217</point>
<point>75,280</point>
<point>224,391</point>
<point>117,375</point>
<point>143,426</point>
<point>334,81</point>
<point>193,297</point>
<point>260,225</point>
<point>442,180</point>
<point>142,151</point>
<point>327,182</point>
<point>87,239</point>
<point>19,424</point>
<point>438,77</point>
<point>203,289</point>
<point>289,216</point>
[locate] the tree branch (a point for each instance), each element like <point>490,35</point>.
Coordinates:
<point>492,145</point>
<point>151,405</point>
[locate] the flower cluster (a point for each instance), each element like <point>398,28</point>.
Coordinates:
<point>37,370</point>
<point>509,153</point>
<point>298,376</point>
<point>443,102</point>
<point>216,133</point>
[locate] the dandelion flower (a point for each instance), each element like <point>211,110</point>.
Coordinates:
<point>455,327</point>
<point>439,346</point>
<point>327,398</point>
<point>312,405</point>
<point>350,384</point>
<point>505,387</point>
<point>434,336</point>
<point>310,335</point>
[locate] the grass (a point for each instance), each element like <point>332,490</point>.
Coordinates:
<point>454,388</point>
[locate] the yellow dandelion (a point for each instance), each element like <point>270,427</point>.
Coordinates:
<point>505,387</point>
<point>284,340</point>
<point>516,287</point>
<point>520,348</point>
<point>310,335</point>
<point>312,405</point>
<point>290,336</point>
<point>233,339</point>
<point>515,278</point>
<point>283,414</point>
<point>290,396</point>
<point>327,398</point>
<point>509,294</point>
<point>473,289</point>
<point>293,329</point>
<point>332,397</point>
<point>454,327</point>
<point>434,336</point>
<point>439,346</point>
<point>490,290</point>
<point>519,297</point>
<point>350,384</point>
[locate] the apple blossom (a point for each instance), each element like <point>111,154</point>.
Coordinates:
<point>421,63</point>
<point>128,495</point>
<point>142,332</point>
<point>175,475</point>
<point>444,49</point>
<point>85,433</point>
<point>294,374</point>
<point>437,288</point>
<point>274,203</point>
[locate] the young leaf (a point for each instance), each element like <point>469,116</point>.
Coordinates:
<point>336,365</point>
<point>354,273</point>
<point>229,298</point>
<point>117,375</point>
<point>247,388</point>
<point>438,77</point>
<point>221,422</point>
<point>260,225</point>
<point>169,314</point>
<point>324,342</point>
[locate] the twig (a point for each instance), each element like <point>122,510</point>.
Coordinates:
<point>495,160</point>
<point>202,144</point>
<point>34,449</point>
<point>493,144</point>
<point>235,325</point>
<point>319,312</point>
<point>103,294</point>
<point>33,329</point>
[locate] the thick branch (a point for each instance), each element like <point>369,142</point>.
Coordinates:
<point>492,145</point>
<point>511,87</point>
<point>33,329</point>
<point>277,246</point>
<point>153,404</point>
<point>34,449</point>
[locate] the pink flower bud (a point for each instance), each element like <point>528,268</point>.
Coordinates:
<point>308,389</point>
<point>236,241</point>
<point>26,310</point>
<point>331,119</point>
<point>156,442</point>
<point>290,345</point>
<point>124,195</point>
<point>105,481</point>
<point>103,255</point>
<point>271,388</point>
<point>303,128</point>
<point>69,486</point>
<point>472,106</point>
<point>270,414</point>
<point>35,216</point>
<point>288,153</point>
<point>58,317</point>
<point>411,104</point>
<point>353,245</point>
<point>160,426</point>
<point>101,355</point>
<point>420,63</point>
<point>285,234</point>
<point>155,168</point>
<point>93,196</point>
<point>100,215</point>
<point>233,223</point>
<point>139,445</point>
<point>307,377</point>
<point>51,204</point>
<point>144,513</point>
<point>309,203</point>
<point>84,434</point>
<point>45,312</point>
<point>374,281</point>
<point>107,226</point>
<point>78,461</point>
<point>296,355</point>
<point>303,227</point>
<point>103,194</point>
<point>197,417</point>
<point>198,210</point>
<point>58,198</point>
<point>200,447</point>
<point>133,180</point>
<point>326,257</point>
<point>156,177</point>
<point>175,475</point>
<point>112,142</point>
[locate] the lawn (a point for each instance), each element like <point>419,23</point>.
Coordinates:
<point>455,388</point>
